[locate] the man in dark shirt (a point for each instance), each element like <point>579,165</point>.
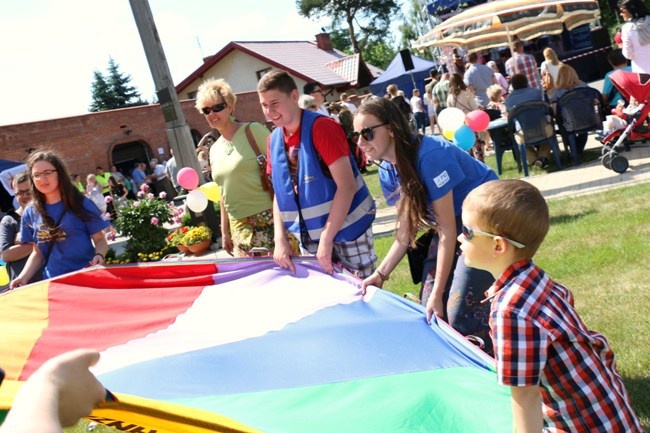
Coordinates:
<point>12,252</point>
<point>538,156</point>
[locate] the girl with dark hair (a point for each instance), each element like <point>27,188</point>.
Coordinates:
<point>64,226</point>
<point>635,34</point>
<point>435,176</point>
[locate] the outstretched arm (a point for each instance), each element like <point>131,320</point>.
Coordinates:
<point>59,393</point>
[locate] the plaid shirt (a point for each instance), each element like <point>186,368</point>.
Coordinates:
<point>539,339</point>
<point>527,65</point>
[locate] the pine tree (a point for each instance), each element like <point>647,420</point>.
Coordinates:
<point>113,90</point>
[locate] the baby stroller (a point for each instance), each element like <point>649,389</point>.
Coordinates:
<point>630,84</point>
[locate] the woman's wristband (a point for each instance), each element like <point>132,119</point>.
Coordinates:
<point>383,276</point>
<point>100,255</point>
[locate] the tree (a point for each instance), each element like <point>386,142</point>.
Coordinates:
<point>414,26</point>
<point>113,90</point>
<point>372,17</point>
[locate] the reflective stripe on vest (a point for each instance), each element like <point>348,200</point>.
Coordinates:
<point>315,189</point>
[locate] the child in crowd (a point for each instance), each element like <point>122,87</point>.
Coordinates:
<point>320,196</point>
<point>495,93</point>
<point>563,376</point>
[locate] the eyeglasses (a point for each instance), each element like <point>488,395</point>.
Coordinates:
<point>214,109</point>
<point>43,174</point>
<point>316,91</point>
<point>366,133</point>
<point>469,233</point>
<point>23,193</point>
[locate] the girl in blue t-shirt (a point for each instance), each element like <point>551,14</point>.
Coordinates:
<point>65,227</point>
<point>435,176</point>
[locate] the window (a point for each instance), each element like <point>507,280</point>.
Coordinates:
<point>261,73</point>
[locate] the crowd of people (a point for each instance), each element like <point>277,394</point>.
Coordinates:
<point>485,231</point>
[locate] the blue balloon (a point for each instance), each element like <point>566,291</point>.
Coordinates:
<point>464,137</point>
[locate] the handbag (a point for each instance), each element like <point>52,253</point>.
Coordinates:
<point>418,254</point>
<point>261,161</point>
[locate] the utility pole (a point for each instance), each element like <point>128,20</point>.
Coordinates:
<point>178,132</point>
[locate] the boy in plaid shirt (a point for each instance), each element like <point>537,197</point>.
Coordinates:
<point>563,376</point>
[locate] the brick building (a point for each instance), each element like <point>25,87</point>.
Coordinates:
<point>116,137</point>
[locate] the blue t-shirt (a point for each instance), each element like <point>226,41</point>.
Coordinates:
<point>610,91</point>
<point>73,248</point>
<point>389,182</point>
<point>443,167</point>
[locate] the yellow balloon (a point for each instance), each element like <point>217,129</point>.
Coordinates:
<point>449,135</point>
<point>211,191</point>
<point>4,276</point>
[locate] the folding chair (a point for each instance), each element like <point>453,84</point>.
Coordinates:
<point>532,118</point>
<point>578,112</point>
<point>502,138</point>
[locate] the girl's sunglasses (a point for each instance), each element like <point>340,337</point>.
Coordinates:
<point>469,233</point>
<point>214,109</point>
<point>366,133</point>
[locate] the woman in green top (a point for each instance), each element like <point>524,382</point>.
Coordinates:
<point>246,208</point>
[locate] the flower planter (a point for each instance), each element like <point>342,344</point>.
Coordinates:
<point>201,246</point>
<point>183,248</point>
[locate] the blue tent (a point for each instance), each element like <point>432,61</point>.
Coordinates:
<point>403,79</point>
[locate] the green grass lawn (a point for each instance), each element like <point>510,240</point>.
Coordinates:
<point>597,247</point>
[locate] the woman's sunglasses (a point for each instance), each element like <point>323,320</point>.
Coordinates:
<point>366,133</point>
<point>214,109</point>
<point>469,233</point>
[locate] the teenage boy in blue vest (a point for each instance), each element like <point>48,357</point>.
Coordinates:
<point>320,196</point>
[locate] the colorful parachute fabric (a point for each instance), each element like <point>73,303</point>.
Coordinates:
<point>242,346</point>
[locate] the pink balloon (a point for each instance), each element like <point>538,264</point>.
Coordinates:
<point>478,120</point>
<point>188,178</point>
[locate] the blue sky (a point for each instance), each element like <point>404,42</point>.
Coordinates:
<point>50,48</point>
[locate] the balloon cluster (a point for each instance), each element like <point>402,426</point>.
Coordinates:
<point>460,128</point>
<point>198,196</point>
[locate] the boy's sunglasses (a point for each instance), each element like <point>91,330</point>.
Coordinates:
<point>469,233</point>
<point>366,133</point>
<point>214,109</point>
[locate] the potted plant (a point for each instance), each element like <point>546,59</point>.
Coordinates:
<point>142,222</point>
<point>175,238</point>
<point>197,239</point>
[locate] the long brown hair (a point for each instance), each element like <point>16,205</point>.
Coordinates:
<point>413,197</point>
<point>70,196</point>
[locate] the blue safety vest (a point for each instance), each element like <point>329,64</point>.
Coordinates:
<point>315,189</point>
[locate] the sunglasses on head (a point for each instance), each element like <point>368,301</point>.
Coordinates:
<point>214,109</point>
<point>469,234</point>
<point>366,133</point>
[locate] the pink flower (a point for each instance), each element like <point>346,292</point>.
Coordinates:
<point>162,195</point>
<point>154,221</point>
<point>136,203</point>
<point>150,196</point>
<point>108,199</point>
<point>140,194</point>
<point>144,187</point>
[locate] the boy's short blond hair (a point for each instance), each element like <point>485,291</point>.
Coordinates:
<point>512,208</point>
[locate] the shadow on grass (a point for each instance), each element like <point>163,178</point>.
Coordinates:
<point>638,388</point>
<point>570,218</point>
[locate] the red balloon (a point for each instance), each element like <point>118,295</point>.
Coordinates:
<point>477,120</point>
